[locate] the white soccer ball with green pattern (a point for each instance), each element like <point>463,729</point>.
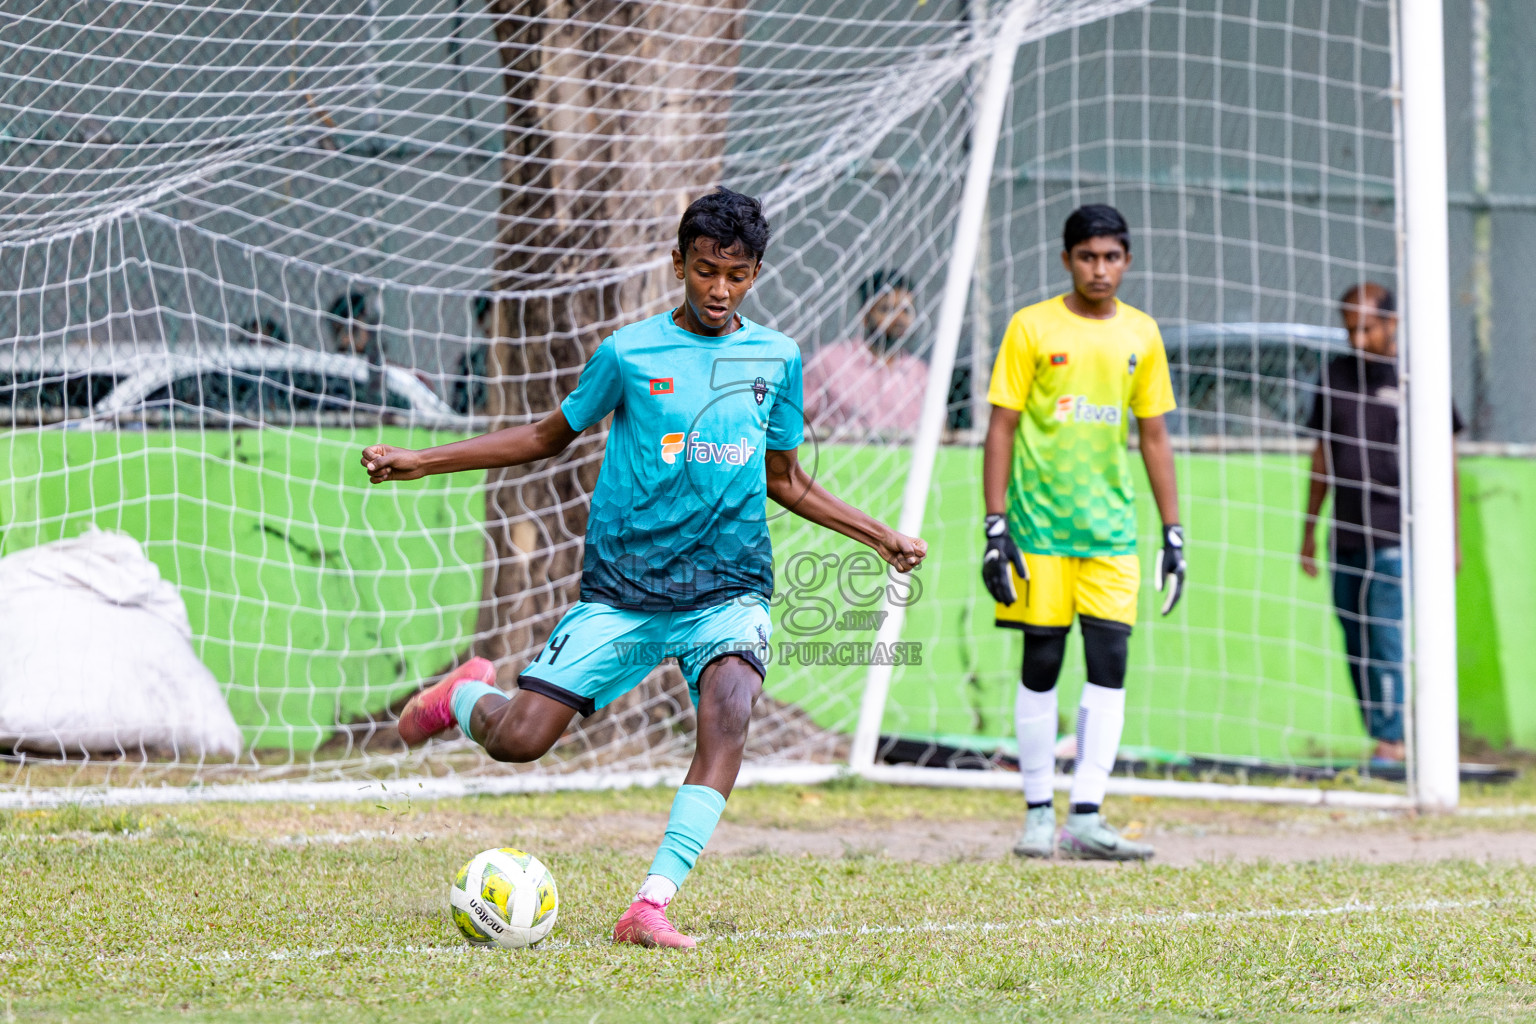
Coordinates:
<point>504,898</point>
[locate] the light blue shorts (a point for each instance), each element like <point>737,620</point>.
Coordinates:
<point>598,653</point>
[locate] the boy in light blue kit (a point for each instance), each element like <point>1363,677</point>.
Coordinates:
<point>706,423</point>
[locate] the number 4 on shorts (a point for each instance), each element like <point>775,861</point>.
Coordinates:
<point>553,648</point>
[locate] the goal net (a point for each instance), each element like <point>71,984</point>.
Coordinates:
<point>244,240</point>
<point>1252,149</point>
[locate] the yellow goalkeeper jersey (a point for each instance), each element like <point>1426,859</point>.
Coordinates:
<point>1071,378</point>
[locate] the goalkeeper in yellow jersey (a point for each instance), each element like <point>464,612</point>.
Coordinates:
<point>1061,517</point>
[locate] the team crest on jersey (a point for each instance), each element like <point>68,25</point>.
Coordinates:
<point>662,386</point>
<point>759,390</point>
<point>1058,359</point>
<point>1131,367</point>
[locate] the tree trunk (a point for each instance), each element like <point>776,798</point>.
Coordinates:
<point>616,114</point>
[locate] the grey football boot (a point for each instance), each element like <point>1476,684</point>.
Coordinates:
<point>1090,837</point>
<point>1039,836</point>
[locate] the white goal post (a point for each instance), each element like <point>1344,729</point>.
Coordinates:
<point>1427,275</point>
<point>986,127</point>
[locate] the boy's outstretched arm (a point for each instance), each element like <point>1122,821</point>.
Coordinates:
<point>791,486</point>
<point>513,446</point>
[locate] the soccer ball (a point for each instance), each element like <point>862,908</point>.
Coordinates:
<point>504,898</point>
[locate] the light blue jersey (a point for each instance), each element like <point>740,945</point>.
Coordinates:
<point>679,516</point>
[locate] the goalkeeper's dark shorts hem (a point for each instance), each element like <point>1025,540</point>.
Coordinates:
<point>1030,629</point>
<point>1093,622</point>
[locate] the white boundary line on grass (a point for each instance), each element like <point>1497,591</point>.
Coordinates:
<point>1186,917</point>
<point>449,787</point>
<point>1120,785</point>
<point>1511,811</point>
<point>872,931</point>
<point>31,798</point>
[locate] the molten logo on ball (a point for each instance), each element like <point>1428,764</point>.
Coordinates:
<point>504,898</point>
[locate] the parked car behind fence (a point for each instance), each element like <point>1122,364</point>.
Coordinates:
<point>1242,380</point>
<point>101,386</point>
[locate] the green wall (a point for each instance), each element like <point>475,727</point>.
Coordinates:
<point>316,599</point>
<point>1496,600</point>
<point>1250,664</point>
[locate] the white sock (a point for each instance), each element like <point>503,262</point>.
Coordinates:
<point>1034,714</point>
<point>657,889</point>
<point>1100,720</point>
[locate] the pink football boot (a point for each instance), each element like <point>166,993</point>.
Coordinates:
<point>431,711</point>
<point>646,924</point>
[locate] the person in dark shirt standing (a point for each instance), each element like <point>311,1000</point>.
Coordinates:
<point>1355,420</point>
<point>467,391</point>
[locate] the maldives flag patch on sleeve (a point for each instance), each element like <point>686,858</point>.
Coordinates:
<point>1058,359</point>
<point>661,385</point>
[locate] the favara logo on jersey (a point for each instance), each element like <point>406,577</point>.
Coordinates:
<point>694,449</point>
<point>1077,408</point>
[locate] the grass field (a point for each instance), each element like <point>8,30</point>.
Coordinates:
<point>836,903</point>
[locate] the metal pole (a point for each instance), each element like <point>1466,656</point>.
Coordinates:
<point>1482,220</point>
<point>981,306</point>
<point>987,126</point>
<point>981,330</point>
<point>1427,321</point>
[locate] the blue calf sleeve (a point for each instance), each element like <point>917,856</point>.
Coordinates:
<point>695,813</point>
<point>465,696</point>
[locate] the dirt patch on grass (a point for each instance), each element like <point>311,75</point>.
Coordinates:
<point>916,826</point>
<point>934,842</point>
<point>939,841</point>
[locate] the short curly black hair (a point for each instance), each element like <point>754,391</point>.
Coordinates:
<point>350,305</point>
<point>881,282</point>
<point>1095,221</point>
<point>729,219</point>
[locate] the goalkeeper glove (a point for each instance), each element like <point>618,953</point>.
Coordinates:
<point>1170,566</point>
<point>1001,553</point>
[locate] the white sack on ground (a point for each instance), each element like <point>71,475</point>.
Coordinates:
<point>96,655</point>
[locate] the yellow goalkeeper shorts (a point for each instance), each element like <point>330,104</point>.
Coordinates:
<point>1060,587</point>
